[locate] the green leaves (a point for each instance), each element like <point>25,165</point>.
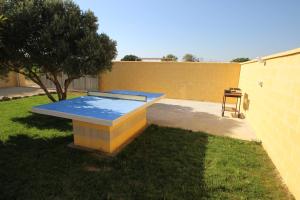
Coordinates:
<point>131,58</point>
<point>240,60</point>
<point>190,58</point>
<point>52,37</point>
<point>2,20</point>
<point>169,57</point>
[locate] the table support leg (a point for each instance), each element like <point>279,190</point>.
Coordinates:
<point>109,139</point>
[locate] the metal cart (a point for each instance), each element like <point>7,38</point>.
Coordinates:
<point>232,93</point>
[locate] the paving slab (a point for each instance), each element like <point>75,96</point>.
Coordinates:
<point>199,116</point>
<point>12,92</point>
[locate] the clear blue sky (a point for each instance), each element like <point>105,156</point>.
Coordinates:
<point>210,29</point>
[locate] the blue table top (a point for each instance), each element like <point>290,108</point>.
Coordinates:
<point>97,107</point>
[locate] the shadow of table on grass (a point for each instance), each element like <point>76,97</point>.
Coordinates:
<point>160,163</point>
<point>44,122</point>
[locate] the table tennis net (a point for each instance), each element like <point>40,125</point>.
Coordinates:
<point>118,96</point>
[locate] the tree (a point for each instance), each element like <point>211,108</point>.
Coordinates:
<point>131,58</point>
<point>240,60</point>
<point>169,57</point>
<point>2,20</point>
<point>190,58</point>
<point>50,38</point>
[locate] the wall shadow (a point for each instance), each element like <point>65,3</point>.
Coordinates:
<point>160,163</point>
<point>246,102</point>
<point>185,117</point>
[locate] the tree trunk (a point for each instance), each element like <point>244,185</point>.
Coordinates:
<point>58,89</point>
<point>38,81</point>
<point>54,80</point>
<point>47,93</point>
<point>64,95</point>
<point>66,86</point>
<point>61,91</point>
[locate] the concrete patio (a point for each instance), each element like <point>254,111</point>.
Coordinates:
<point>20,91</point>
<point>199,116</point>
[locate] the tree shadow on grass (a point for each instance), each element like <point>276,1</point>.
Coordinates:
<point>161,163</point>
<point>44,122</point>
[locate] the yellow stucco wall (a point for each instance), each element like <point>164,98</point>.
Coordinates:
<point>273,110</point>
<point>10,81</point>
<point>25,82</point>
<point>179,80</point>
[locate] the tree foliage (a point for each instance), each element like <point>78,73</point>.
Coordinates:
<point>131,58</point>
<point>190,58</point>
<point>240,60</point>
<point>169,57</point>
<point>51,38</point>
<point>2,20</point>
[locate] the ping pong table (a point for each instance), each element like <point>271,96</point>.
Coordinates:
<point>104,121</point>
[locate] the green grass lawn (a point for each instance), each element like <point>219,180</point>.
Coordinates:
<point>162,163</point>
